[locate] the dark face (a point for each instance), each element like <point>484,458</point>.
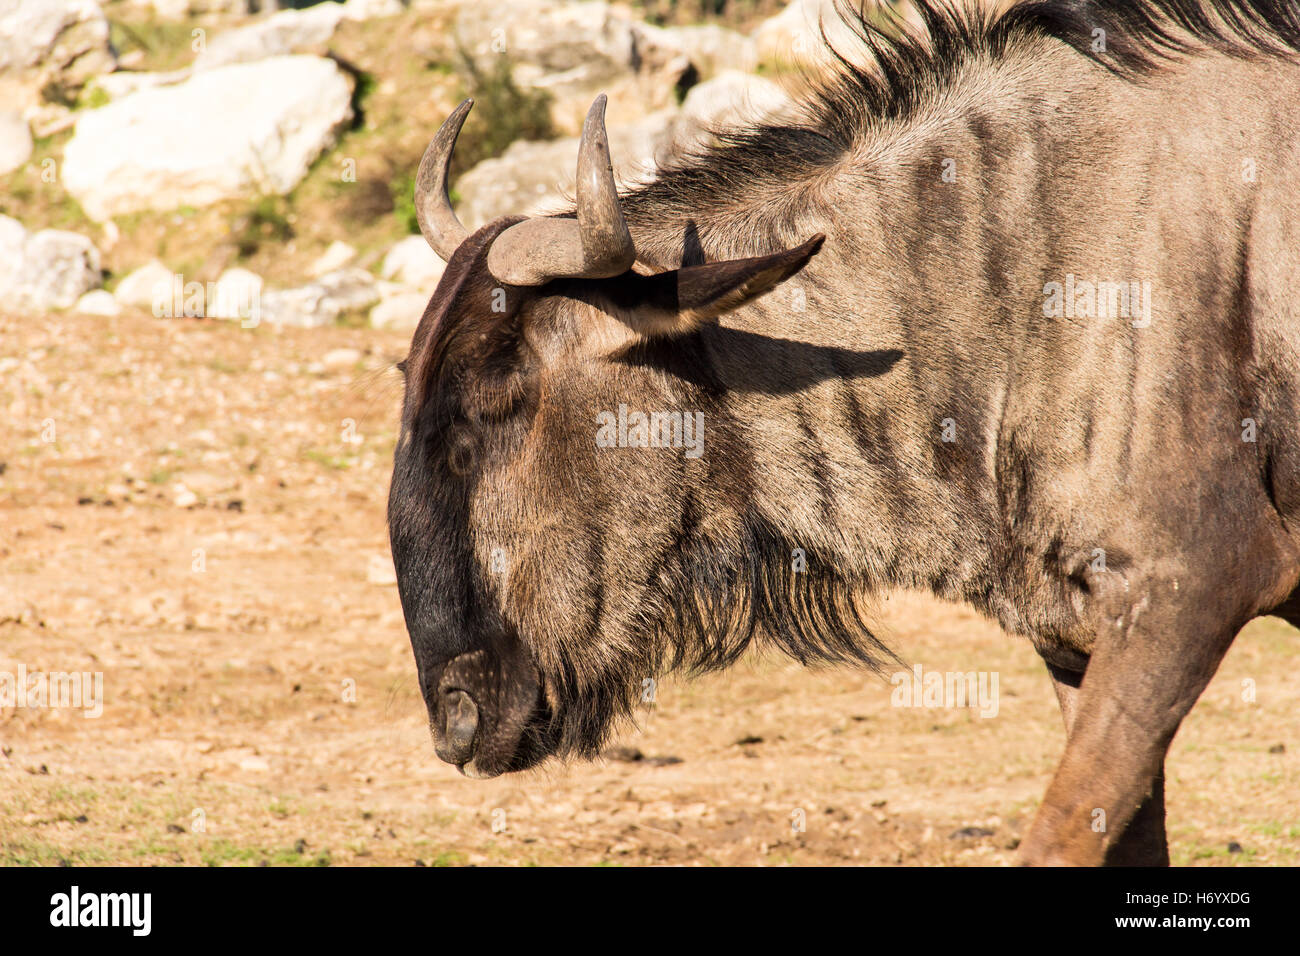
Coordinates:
<point>533,565</point>
<point>487,707</point>
<point>470,398</point>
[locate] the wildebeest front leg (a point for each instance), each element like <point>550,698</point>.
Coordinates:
<point>1143,842</point>
<point>1147,670</point>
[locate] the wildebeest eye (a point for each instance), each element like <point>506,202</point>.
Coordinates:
<point>496,395</point>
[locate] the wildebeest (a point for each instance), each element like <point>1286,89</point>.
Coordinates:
<point>1010,317</point>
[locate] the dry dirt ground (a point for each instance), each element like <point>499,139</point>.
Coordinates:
<point>185,508</point>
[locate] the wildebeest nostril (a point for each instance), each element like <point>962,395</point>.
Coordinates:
<point>459,724</point>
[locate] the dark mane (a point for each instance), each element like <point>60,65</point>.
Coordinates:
<point>1142,33</point>
<point>1141,37</point>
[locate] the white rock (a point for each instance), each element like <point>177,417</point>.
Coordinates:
<point>15,141</point>
<point>124,83</point>
<point>47,119</point>
<point>50,269</point>
<point>794,36</point>
<point>98,302</point>
<point>574,51</point>
<point>171,9</point>
<point>227,132</point>
<point>43,42</point>
<point>236,295</point>
<point>13,236</point>
<point>288,31</point>
<point>730,100</point>
<point>255,764</point>
<point>302,307</point>
<point>183,497</point>
<point>401,312</point>
<point>349,290</point>
<point>66,264</point>
<point>142,287</point>
<point>371,9</point>
<point>180,9</point>
<point>534,177</point>
<point>321,302</point>
<point>712,49</point>
<point>413,263</point>
<point>336,256</point>
<point>734,99</point>
<point>551,34</point>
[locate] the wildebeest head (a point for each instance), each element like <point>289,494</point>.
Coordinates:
<point>537,570</point>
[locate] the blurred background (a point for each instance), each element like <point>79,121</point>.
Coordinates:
<point>273,150</point>
<point>209,264</point>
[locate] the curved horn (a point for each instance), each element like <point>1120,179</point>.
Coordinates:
<point>595,246</point>
<point>438,222</point>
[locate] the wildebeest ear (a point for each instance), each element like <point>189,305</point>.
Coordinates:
<point>677,302</point>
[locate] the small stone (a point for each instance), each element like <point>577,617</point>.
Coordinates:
<point>349,289</point>
<point>288,31</point>
<point>236,296</point>
<point>144,286</point>
<point>336,256</point>
<point>98,302</point>
<point>49,269</point>
<point>15,141</point>
<point>401,312</point>
<point>970,833</point>
<point>624,754</point>
<point>413,263</point>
